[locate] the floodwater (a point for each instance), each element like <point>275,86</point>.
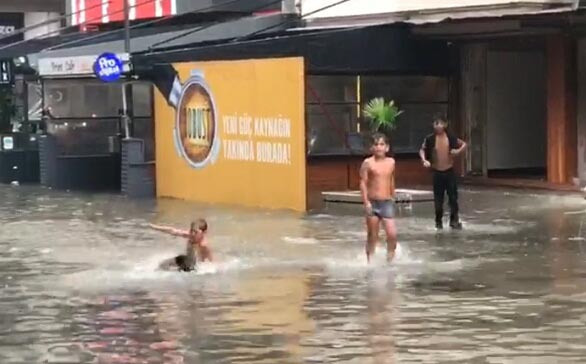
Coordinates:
<point>78,284</point>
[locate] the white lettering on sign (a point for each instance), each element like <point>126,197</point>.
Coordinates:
<point>276,153</point>
<point>77,65</point>
<point>271,144</point>
<point>108,67</point>
<point>105,72</point>
<point>239,150</point>
<point>272,127</point>
<point>7,29</point>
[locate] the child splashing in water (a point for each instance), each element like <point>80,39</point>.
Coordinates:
<point>197,246</point>
<point>377,189</point>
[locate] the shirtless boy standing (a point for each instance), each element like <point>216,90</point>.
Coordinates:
<point>438,152</point>
<point>377,175</point>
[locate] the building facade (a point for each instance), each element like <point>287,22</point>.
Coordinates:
<point>86,117</point>
<point>516,79</point>
<point>15,15</point>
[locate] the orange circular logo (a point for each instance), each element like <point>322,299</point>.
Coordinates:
<point>196,132</point>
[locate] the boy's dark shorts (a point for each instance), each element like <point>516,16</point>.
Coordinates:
<point>181,261</point>
<point>383,209</point>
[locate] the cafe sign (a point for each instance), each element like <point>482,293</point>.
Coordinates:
<point>74,66</point>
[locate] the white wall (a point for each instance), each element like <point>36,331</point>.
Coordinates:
<point>516,109</point>
<point>33,18</point>
<point>370,7</point>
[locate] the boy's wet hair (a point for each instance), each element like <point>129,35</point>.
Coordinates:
<point>199,224</point>
<point>377,137</point>
<point>440,118</point>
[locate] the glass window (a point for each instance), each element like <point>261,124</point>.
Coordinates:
<point>35,102</point>
<point>332,113</point>
<point>420,98</point>
<point>331,89</point>
<point>328,128</point>
<point>333,109</point>
<point>100,100</point>
<point>142,94</point>
<point>83,136</point>
<point>94,99</point>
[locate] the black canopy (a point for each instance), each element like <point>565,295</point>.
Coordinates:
<point>366,50</point>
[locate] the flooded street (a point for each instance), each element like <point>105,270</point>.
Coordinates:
<point>79,284</point>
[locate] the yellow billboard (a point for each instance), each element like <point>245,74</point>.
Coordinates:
<point>233,132</point>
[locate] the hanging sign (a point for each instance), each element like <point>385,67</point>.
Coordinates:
<point>108,67</point>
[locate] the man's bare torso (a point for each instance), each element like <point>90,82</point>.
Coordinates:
<point>380,184</point>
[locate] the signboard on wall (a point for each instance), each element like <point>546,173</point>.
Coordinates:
<point>108,67</point>
<point>235,134</point>
<point>75,65</point>
<point>10,23</point>
<point>86,12</point>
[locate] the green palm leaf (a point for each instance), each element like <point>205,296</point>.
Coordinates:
<point>382,115</point>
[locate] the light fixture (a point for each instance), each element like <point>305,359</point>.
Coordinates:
<point>20,61</point>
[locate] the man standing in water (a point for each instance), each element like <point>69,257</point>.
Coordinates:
<point>377,175</point>
<point>438,152</point>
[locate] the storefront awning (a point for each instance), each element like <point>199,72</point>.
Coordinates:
<point>140,42</point>
<point>18,49</point>
<point>364,50</point>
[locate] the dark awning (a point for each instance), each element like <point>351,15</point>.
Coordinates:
<point>194,33</point>
<point>366,50</point>
<point>87,44</point>
<point>77,39</point>
<point>18,49</point>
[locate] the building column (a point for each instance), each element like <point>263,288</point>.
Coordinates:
<point>473,69</point>
<point>581,107</point>
<point>561,110</point>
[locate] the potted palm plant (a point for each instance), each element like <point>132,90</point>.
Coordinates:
<point>382,116</point>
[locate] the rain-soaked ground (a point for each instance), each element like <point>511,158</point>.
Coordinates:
<point>78,284</point>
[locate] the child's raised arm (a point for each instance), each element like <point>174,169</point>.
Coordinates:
<point>170,230</point>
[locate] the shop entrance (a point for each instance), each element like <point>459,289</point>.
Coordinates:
<point>516,134</point>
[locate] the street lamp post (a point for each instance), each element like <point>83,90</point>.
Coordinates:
<point>127,101</point>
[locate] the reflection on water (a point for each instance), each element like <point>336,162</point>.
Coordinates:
<point>78,284</point>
